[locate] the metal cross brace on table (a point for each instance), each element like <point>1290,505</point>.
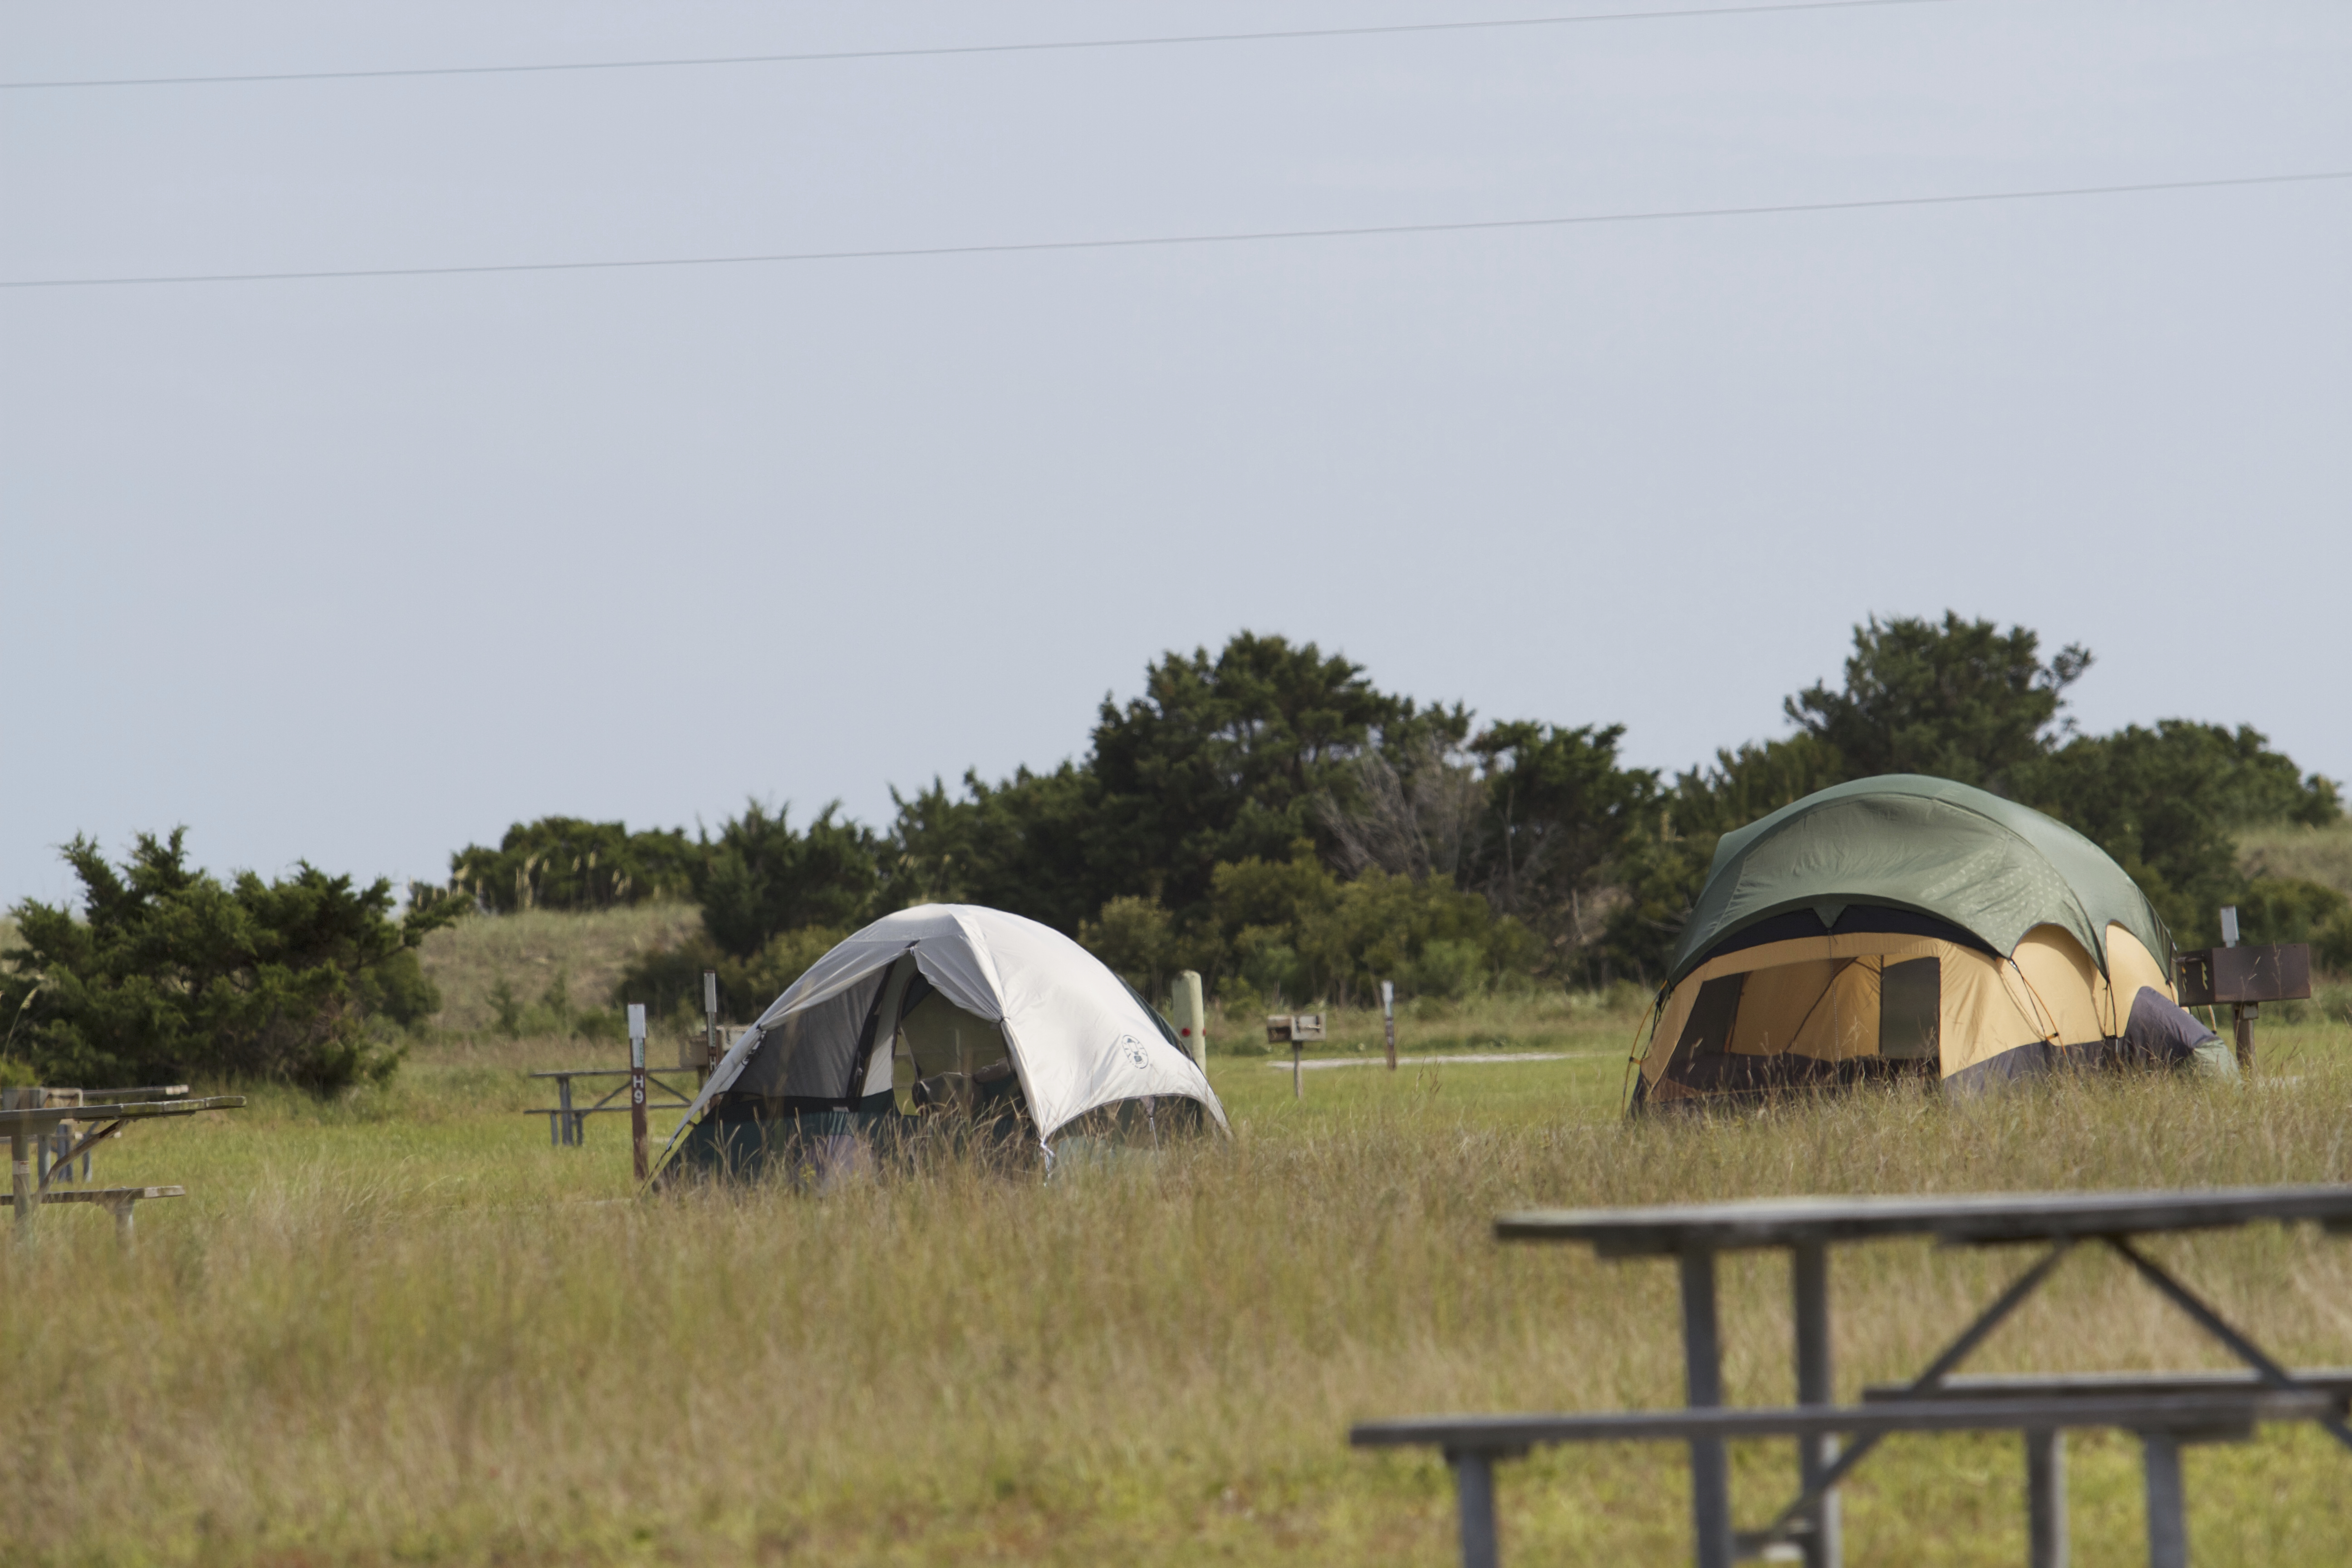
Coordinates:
<point>1694,1234</point>
<point>25,1124</point>
<point>567,1126</point>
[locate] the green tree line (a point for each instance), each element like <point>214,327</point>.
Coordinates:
<point>1268,817</point>
<point>1265,814</point>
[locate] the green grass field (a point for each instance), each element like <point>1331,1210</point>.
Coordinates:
<point>412,1331</point>
<point>403,1329</point>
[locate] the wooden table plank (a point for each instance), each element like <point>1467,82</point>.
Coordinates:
<point>1987,1218</point>
<point>1501,1434</point>
<point>132,1110</point>
<point>101,1195</point>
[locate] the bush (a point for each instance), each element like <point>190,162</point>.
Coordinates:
<point>2288,909</point>
<point>2331,944</point>
<point>668,980</point>
<point>759,879</point>
<point>554,1014</point>
<point>1290,930</point>
<point>171,975</point>
<point>1136,940</point>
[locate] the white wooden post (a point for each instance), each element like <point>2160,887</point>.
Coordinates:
<point>1388,1017</point>
<point>1192,1017</point>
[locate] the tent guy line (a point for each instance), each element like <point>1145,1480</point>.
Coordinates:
<point>947,50</point>
<point>1145,242</point>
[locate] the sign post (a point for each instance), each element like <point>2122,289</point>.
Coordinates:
<point>2245,976</point>
<point>2242,1016</point>
<point>637,1085</point>
<point>1296,1028</point>
<point>1388,1017</point>
<point>709,1023</point>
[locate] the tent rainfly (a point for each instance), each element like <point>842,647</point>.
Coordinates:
<point>948,1012</point>
<point>1909,924</point>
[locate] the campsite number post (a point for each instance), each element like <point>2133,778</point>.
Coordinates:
<point>2242,1016</point>
<point>637,1085</point>
<point>1388,1017</point>
<point>709,1023</point>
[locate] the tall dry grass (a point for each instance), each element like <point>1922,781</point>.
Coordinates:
<point>404,1329</point>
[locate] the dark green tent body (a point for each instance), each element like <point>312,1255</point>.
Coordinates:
<point>1909,923</point>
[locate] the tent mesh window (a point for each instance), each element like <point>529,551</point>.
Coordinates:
<point>945,1058</point>
<point>1910,1002</point>
<point>1709,1031</point>
<point>812,1054</point>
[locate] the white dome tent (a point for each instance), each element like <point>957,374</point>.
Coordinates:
<point>949,1011</point>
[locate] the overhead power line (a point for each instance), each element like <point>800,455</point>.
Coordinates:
<point>1254,237</point>
<point>973,48</point>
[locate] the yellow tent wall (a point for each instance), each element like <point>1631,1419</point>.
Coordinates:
<point>1821,997</point>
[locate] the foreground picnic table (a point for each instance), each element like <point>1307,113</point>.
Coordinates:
<point>1806,1227</point>
<point>26,1124</point>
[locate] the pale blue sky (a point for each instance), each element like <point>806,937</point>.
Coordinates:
<point>360,571</point>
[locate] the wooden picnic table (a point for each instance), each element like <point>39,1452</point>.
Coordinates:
<point>27,1123</point>
<point>1806,1227</point>
<point>567,1126</point>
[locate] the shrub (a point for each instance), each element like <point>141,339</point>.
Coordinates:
<point>1136,938</point>
<point>1290,929</point>
<point>172,973</point>
<point>669,979</point>
<point>759,879</point>
<point>554,1014</point>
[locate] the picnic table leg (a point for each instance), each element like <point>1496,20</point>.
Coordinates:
<point>20,1170</point>
<point>2168,1531</point>
<point>570,1122</point>
<point>2045,1498</point>
<point>1702,1383</point>
<point>1808,1269</point>
<point>1474,1491</point>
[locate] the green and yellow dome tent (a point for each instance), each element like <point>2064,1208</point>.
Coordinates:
<point>1909,924</point>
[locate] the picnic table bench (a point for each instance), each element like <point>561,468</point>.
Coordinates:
<point>2162,1423</point>
<point>1806,1227</point>
<point>2045,1447</point>
<point>29,1123</point>
<point>567,1126</point>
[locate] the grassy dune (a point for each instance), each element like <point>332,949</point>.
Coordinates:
<point>528,950</point>
<point>2322,855</point>
<point>403,1329</point>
